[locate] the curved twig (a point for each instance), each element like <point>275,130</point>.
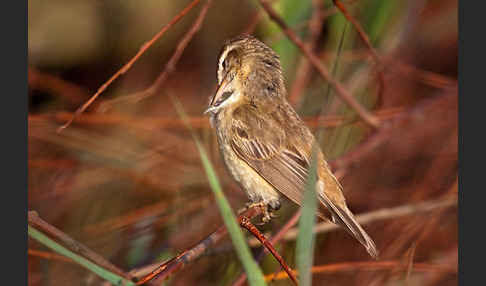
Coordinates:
<point>274,239</point>
<point>177,263</point>
<point>129,64</point>
<point>75,246</point>
<point>366,40</point>
<point>340,90</point>
<point>246,223</point>
<point>155,87</point>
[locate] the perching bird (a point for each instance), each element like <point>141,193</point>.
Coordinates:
<point>265,145</point>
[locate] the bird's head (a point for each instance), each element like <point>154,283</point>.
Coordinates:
<point>248,72</point>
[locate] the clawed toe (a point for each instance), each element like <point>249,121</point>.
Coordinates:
<point>266,217</point>
<point>248,206</point>
<point>267,213</point>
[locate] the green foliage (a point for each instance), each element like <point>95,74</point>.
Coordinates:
<point>306,237</point>
<point>379,16</point>
<point>254,273</point>
<point>293,13</point>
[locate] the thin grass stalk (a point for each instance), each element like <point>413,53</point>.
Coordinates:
<point>255,274</point>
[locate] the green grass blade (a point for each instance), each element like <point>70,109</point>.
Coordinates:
<point>379,17</point>
<point>293,13</point>
<point>103,273</point>
<point>254,273</point>
<point>306,237</point>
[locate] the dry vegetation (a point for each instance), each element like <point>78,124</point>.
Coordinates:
<point>126,180</point>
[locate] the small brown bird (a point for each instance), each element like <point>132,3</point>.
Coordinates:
<point>265,145</point>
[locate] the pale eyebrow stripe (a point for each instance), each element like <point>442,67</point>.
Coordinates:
<point>221,60</point>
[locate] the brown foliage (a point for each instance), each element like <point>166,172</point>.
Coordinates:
<point>127,181</point>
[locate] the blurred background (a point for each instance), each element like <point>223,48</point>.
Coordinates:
<point>126,179</point>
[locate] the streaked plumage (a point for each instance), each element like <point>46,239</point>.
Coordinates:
<point>265,145</point>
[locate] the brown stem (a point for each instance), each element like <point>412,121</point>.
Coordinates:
<point>255,19</point>
<point>369,266</point>
<point>303,71</point>
<point>410,265</point>
<point>394,65</point>
<point>366,40</point>
<point>177,263</point>
<point>149,123</point>
<point>47,82</point>
<point>246,223</point>
<point>273,240</point>
<point>340,90</point>
<point>35,221</point>
<point>382,214</point>
<point>48,255</point>
<point>156,86</point>
<point>129,64</point>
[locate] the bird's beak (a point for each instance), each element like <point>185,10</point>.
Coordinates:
<point>224,91</point>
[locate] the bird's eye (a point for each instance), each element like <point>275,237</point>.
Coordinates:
<point>268,63</point>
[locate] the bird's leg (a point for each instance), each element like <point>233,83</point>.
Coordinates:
<point>250,205</point>
<point>267,215</point>
<point>247,206</point>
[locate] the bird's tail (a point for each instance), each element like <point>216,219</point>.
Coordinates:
<point>344,217</point>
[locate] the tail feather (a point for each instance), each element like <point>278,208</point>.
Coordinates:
<point>345,218</point>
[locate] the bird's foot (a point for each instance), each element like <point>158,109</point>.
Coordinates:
<point>245,208</point>
<point>267,215</point>
<point>250,205</point>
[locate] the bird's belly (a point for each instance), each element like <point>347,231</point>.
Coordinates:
<point>257,189</point>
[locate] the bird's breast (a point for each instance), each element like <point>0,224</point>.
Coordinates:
<point>257,188</point>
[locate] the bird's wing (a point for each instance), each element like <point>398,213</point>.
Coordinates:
<point>271,150</point>
<point>263,145</point>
